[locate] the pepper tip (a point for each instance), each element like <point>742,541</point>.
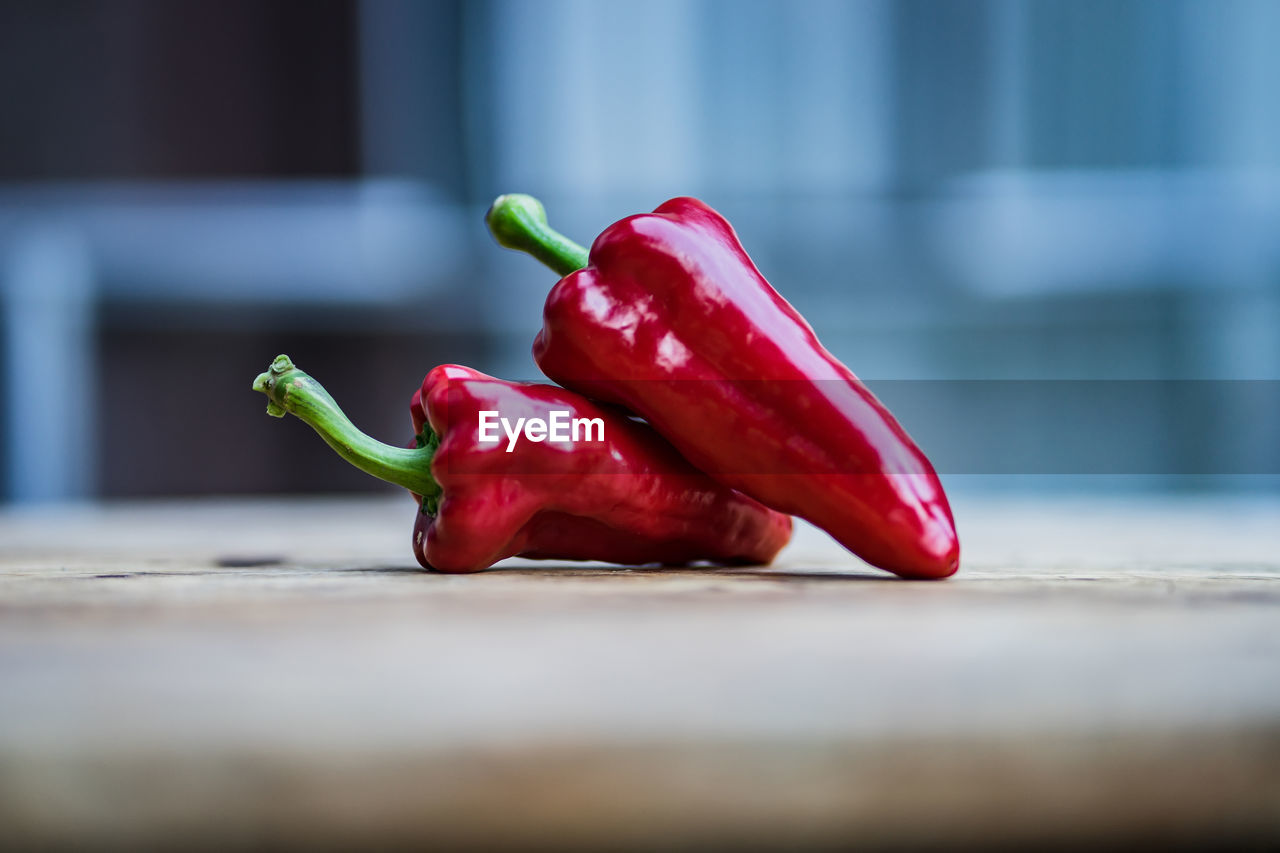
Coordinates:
<point>506,213</point>
<point>267,381</point>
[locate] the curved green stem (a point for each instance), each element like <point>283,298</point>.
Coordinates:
<point>290,391</point>
<point>519,222</point>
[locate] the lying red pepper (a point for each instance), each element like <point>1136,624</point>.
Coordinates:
<point>669,317</point>
<point>628,497</point>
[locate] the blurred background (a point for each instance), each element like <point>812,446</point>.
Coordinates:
<point>1078,194</point>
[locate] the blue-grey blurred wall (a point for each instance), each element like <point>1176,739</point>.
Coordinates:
<point>971,190</point>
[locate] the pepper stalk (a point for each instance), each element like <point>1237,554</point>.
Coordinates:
<point>518,221</point>
<point>291,391</point>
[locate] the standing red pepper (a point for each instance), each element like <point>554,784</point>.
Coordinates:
<point>627,498</point>
<point>669,317</point>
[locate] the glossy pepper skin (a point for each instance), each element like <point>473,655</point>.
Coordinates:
<point>669,317</point>
<point>629,499</point>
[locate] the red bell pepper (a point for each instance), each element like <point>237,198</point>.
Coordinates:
<point>617,492</point>
<point>668,316</point>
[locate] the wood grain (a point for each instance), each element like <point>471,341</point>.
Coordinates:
<point>279,672</point>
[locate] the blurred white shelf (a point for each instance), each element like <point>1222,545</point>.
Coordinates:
<point>308,241</point>
<point>1074,230</point>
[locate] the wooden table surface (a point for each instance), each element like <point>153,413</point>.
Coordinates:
<point>252,672</point>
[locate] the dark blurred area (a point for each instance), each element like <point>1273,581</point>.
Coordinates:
<point>140,90</point>
<point>979,190</point>
<point>143,146</point>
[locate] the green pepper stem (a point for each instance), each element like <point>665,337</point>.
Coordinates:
<point>519,222</point>
<point>290,391</point>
